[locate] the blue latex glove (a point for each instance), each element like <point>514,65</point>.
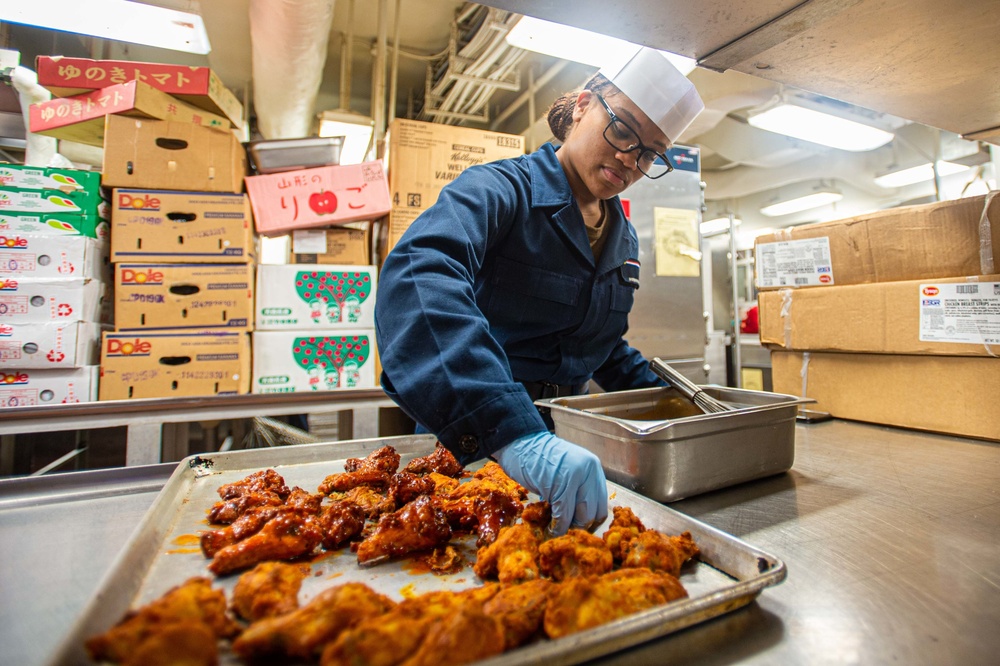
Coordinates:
<point>567,476</point>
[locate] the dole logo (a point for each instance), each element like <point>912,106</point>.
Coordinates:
<point>132,276</point>
<point>8,284</point>
<point>8,378</point>
<point>128,348</point>
<point>138,201</point>
<point>6,330</point>
<point>15,242</point>
<point>930,291</point>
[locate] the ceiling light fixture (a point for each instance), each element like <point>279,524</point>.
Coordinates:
<point>818,127</point>
<point>918,174</point>
<point>356,129</point>
<point>578,45</point>
<point>118,20</point>
<point>814,200</point>
<point>718,225</point>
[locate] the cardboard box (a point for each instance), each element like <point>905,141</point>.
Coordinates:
<point>170,365</point>
<point>165,155</point>
<point>940,240</point>
<point>424,157</point>
<point>947,394</point>
<point>67,344</point>
<point>48,178</point>
<point>315,297</point>
<point>198,86</point>
<point>183,227</point>
<point>41,256</point>
<point>28,388</point>
<point>54,224</point>
<point>954,316</point>
<point>296,361</point>
<point>317,197</point>
<point>183,296</point>
<point>339,245</point>
<point>37,300</point>
<point>81,117</point>
<point>62,202</point>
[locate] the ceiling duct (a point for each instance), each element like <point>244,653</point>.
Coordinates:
<point>289,45</point>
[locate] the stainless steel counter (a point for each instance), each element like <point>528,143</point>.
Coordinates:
<point>891,538</point>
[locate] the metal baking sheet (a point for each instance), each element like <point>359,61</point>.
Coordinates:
<point>656,442</point>
<point>163,552</point>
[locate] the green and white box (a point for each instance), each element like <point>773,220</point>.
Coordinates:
<point>49,178</point>
<point>304,361</point>
<point>315,297</point>
<point>54,224</point>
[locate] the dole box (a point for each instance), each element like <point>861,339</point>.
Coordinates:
<point>28,387</point>
<point>318,197</point>
<point>183,296</point>
<point>315,297</point>
<point>67,344</point>
<point>43,256</point>
<point>184,227</point>
<point>305,361</point>
<point>168,365</point>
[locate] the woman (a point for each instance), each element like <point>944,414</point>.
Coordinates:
<point>517,283</point>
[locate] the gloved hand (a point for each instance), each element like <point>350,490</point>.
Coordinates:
<point>565,475</point>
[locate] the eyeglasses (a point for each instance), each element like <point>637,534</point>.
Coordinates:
<point>622,137</point>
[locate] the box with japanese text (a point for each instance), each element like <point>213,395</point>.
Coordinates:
<point>48,178</point>
<point>62,202</point>
<point>315,297</point>
<point>337,245</point>
<point>198,86</point>
<point>41,256</point>
<point>81,118</point>
<point>166,155</point>
<point>169,365</point>
<point>186,227</point>
<point>317,197</point>
<point>27,387</point>
<point>63,344</point>
<point>297,361</point>
<point>36,300</point>
<point>183,296</point>
<point>54,224</point>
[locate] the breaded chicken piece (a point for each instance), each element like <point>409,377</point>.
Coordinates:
<point>578,553</point>
<point>659,552</point>
<point>512,558</point>
<point>268,590</point>
<point>520,609</point>
<point>624,527</point>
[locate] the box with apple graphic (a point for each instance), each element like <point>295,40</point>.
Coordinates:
<point>315,297</point>
<point>325,360</point>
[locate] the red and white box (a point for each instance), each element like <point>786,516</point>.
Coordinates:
<point>319,197</point>
<point>28,388</point>
<point>71,344</point>
<point>39,300</point>
<point>305,361</point>
<point>44,256</point>
<point>314,297</point>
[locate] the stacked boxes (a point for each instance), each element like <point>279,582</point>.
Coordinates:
<point>53,284</point>
<point>898,320</point>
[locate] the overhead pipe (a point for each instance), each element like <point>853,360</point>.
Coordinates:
<point>378,77</point>
<point>289,46</point>
<point>347,59</point>
<point>394,77</point>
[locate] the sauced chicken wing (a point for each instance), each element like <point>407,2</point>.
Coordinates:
<point>268,590</point>
<point>589,601</point>
<point>341,522</point>
<point>228,510</point>
<point>624,527</point>
<point>659,552</point>
<point>491,471</point>
<point>290,534</point>
<point>420,525</point>
<point>303,499</point>
<point>441,461</point>
<point>512,558</point>
<point>443,485</point>
<point>249,523</point>
<point>344,481</point>
<point>264,481</point>
<point>370,500</point>
<point>520,609</point>
<point>193,602</point>
<point>405,487</point>
<point>304,632</point>
<point>384,459</point>
<point>578,553</point>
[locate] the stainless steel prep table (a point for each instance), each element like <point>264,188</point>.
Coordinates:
<point>891,537</point>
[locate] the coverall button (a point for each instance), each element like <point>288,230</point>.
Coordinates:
<point>468,444</point>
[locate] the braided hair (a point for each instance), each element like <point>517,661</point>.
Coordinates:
<point>560,116</point>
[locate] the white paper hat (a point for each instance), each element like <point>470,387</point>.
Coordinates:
<point>658,88</point>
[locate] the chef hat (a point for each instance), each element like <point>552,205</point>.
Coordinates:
<point>658,88</point>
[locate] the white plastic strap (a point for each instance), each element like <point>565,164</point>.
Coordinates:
<point>986,258</point>
<point>986,345</point>
<point>786,315</point>
<point>804,373</point>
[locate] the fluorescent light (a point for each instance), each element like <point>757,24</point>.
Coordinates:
<point>113,19</point>
<point>814,200</point>
<point>578,45</point>
<point>822,128</point>
<point>718,224</point>
<point>356,130</point>
<point>918,174</point>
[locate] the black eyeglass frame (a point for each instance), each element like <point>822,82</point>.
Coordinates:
<point>642,148</point>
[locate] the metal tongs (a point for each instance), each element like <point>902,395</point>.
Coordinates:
<point>689,389</point>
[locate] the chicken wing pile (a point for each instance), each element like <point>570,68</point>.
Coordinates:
<point>533,587</point>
